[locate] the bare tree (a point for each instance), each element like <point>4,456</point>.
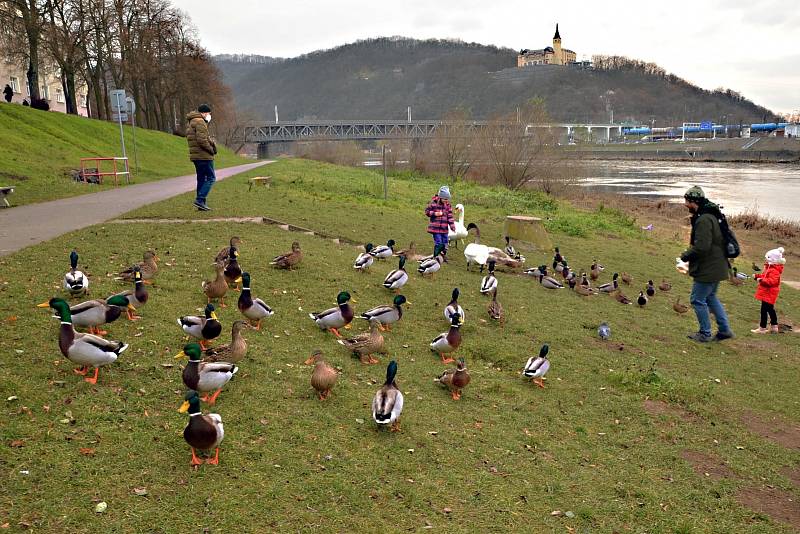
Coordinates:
<point>29,16</point>
<point>452,143</point>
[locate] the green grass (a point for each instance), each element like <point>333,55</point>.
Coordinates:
<point>38,149</point>
<point>502,459</point>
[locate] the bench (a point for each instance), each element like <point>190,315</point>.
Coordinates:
<point>4,192</point>
<point>260,180</point>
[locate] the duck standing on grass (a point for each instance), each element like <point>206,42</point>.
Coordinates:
<point>216,288</point>
<point>664,285</point>
<point>290,259</point>
<point>557,258</point>
<point>489,282</point>
<point>233,352</point>
<point>433,264</point>
<point>75,282</point>
<point>387,405</point>
<point>537,366</point>
<point>205,376</point>
<point>383,252</point>
<point>611,286</point>
<point>92,314</point>
<point>680,308</point>
<point>251,307</point>
<point>495,309</point>
<point>86,350</point>
<point>136,297</point>
<point>206,328</point>
<point>148,267</point>
<point>455,379</point>
<point>323,377</point>
<point>454,307</point>
<point>365,345</point>
<point>651,289</point>
<point>224,252</point>
<point>334,318</point>
<point>449,341</point>
<point>386,314</point>
<point>364,260</point>
<point>203,432</point>
<point>396,278</point>
<point>233,272</point>
<point>641,300</point>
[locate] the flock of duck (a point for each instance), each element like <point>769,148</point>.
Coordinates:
<point>210,368</point>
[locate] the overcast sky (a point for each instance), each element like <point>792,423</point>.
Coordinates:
<point>751,46</point>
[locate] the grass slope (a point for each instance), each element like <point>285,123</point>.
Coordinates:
<point>501,459</point>
<point>38,149</point>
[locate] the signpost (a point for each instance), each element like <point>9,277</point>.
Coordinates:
<point>118,109</point>
<point>132,110</point>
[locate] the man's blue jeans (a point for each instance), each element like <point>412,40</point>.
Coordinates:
<point>704,298</point>
<point>205,178</point>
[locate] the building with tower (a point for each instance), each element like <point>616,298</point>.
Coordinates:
<point>551,55</point>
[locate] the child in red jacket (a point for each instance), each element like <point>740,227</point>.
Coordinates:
<point>769,285</point>
<point>440,218</point>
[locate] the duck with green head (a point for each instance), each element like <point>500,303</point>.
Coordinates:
<point>206,328</point>
<point>396,278</point>
<point>93,313</point>
<point>86,350</point>
<point>434,263</point>
<point>383,252</point>
<point>386,314</point>
<point>203,432</point>
<point>233,272</point>
<point>365,259</point>
<point>251,307</point>
<point>387,405</point>
<point>205,376</point>
<point>334,318</point>
<point>136,297</point>
<point>75,282</point>
<point>449,341</point>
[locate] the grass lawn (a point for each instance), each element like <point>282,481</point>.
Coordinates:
<point>645,433</point>
<point>38,149</point>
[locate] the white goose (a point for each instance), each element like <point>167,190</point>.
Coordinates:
<point>475,252</point>
<point>461,231</point>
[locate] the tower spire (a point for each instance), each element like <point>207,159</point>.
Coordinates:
<point>557,35</point>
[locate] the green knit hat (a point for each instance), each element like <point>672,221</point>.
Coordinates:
<point>695,194</point>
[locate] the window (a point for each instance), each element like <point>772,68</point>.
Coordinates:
<point>15,84</point>
<point>84,100</point>
<point>45,92</point>
<point>59,96</point>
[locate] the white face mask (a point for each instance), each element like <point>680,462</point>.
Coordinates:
<point>207,118</point>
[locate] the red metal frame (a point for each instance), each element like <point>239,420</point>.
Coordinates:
<point>100,174</point>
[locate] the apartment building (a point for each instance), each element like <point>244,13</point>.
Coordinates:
<point>50,87</point>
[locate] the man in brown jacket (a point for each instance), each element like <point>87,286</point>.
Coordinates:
<point>202,150</point>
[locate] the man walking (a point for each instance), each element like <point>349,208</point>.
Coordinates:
<point>708,265</point>
<point>8,93</point>
<point>201,152</point>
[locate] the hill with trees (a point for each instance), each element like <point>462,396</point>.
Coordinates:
<point>380,78</point>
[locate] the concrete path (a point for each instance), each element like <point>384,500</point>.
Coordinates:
<point>28,225</point>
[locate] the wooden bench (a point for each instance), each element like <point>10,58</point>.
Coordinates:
<point>260,180</point>
<point>4,192</point>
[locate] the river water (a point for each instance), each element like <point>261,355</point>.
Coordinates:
<point>770,189</point>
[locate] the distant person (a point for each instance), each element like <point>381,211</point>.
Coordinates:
<point>201,152</point>
<point>708,266</point>
<point>440,217</point>
<point>25,102</point>
<point>769,286</point>
<point>40,104</point>
<point>8,93</point>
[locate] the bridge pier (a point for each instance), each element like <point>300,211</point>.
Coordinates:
<point>270,149</point>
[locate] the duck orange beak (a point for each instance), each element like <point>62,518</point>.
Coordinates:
<point>184,407</point>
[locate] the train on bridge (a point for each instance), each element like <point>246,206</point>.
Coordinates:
<point>675,132</point>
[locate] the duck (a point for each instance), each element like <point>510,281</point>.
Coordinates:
<point>740,275</point>
<point>571,280</point>
<point>233,271</point>
<point>455,379</point>
<point>511,251</point>
<point>216,288</point>
<point>387,404</point>
<point>432,265</point>
<point>650,289</point>
<point>536,272</point>
<point>235,351</point>
<point>290,259</point>
<point>251,307</point>
<point>621,298</point>
<point>495,309</point>
<point>396,278</point>
<point>136,297</point>
<point>334,318</point>
<point>411,253</point>
<point>560,266</point>
<point>383,252</point>
<point>460,232</point>
<point>387,314</point>
<point>626,278</point>
<point>202,432</point>
<point>679,307</point>
<point>449,341</point>
<point>489,282</point>
<point>364,345</point>
<point>224,252</point>
<point>75,282</point>
<point>364,260</point>
<point>641,300</point>
<point>505,260</point>
<point>93,313</point>
<point>584,280</point>
<point>454,307</point>
<point>565,271</point>
<point>557,258</point>
<point>86,350</point>
<point>664,285</point>
<point>585,291</point>
<point>148,267</point>
<point>206,328</point>
<point>595,270</point>
<point>756,268</point>
<point>475,252</point>
<point>537,366</point>
<point>323,376</point>
<point>549,282</point>
<point>611,286</point>
<point>205,376</point>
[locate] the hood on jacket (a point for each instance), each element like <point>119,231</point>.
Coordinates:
<point>193,115</point>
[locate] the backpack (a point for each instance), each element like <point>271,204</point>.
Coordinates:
<point>732,249</point>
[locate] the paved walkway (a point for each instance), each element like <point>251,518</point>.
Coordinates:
<point>28,225</point>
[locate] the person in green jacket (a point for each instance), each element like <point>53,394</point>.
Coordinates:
<point>708,266</point>
<point>202,150</point>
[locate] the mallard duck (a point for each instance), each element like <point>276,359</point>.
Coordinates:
<point>290,259</point>
<point>489,282</point>
<point>595,270</point>
<point>323,377</point>
<point>253,308</point>
<point>738,274</point>
<point>460,232</point>
<point>664,285</point>
<point>93,313</point>
<point>334,318</point>
<point>224,252</point>
<point>536,272</point>
<point>504,260</point>
<point>411,252</point>
<point>387,405</point>
<point>495,309</point>
<point>207,328</point>
<point>449,341</point>
<point>397,278</point>
<point>734,279</point>
<point>216,288</point>
<point>235,351</point>
<point>511,251</point>
<point>75,282</point>
<point>756,268</point>
<point>565,271</point>
<point>621,298</point>
<point>453,307</point>
<point>650,289</point>
<point>86,350</point>
<point>550,283</point>
<point>455,379</point>
<point>537,366</point>
<point>136,297</point>
<point>626,278</point>
<point>560,267</point>
<point>148,267</point>
<point>233,272</point>
<point>475,252</point>
<point>203,432</point>
<point>383,251</point>
<point>611,286</point>
<point>431,265</point>
<point>364,260</point>
<point>680,308</point>
<point>585,291</point>
<point>571,280</point>
<point>557,258</point>
<point>386,315</point>
<point>584,280</point>
<point>641,300</point>
<point>364,345</point>
<point>604,331</point>
<point>205,376</point>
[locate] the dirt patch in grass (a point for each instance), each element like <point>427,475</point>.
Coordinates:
<point>782,432</point>
<point>614,346</point>
<point>15,177</point>
<point>778,505</point>
<point>657,407</point>
<point>708,465</point>
<point>755,344</point>
<point>793,474</point>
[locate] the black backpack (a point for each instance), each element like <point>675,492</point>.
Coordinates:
<point>732,249</point>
